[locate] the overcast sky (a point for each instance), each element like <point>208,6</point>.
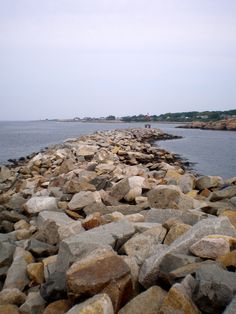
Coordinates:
<point>68,58</point>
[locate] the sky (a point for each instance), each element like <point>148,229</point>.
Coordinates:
<point>78,58</point>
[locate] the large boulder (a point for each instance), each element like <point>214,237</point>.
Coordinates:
<point>83,199</point>
<point>207,182</point>
<point>169,196</point>
<point>37,204</point>
<point>227,192</point>
<point>150,268</point>
<point>93,273</point>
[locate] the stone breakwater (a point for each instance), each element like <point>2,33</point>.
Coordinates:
<point>108,223</point>
<point>227,124</point>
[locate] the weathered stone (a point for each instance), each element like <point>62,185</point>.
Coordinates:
<point>186,183</point>
<point>143,245</point>
<point>231,308</point>
<point>6,253</point>
<point>16,201</point>
<point>66,166</point>
<point>207,182</point>
<point>231,215</point>
<point>178,301</point>
<point>49,264</point>
<point>169,196</point>
<point>38,248</point>
<point>12,296</point>
<point>12,216</point>
<point>227,192</point>
<point>35,271</point>
<point>34,304</point>
<point>16,275</point>
<point>92,274</point>
<point>150,268</point>
<point>134,271</point>
<point>181,273</point>
<point>228,260</point>
<point>86,150</point>
<point>92,221</point>
<point>190,217</point>
<point>5,174</point>
<point>83,199</point>
<point>210,247</point>
<point>215,288</point>
<point>21,224</point>
<point>9,309</point>
<point>23,234</point>
<point>147,302</point>
<point>120,189</point>
<point>58,307</point>
<point>55,287</point>
<point>144,226</point>
<point>135,218</point>
<point>37,204</point>
<point>112,217</point>
<point>99,304</point>
<point>175,231</point>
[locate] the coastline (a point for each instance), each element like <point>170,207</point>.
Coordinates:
<point>112,205</point>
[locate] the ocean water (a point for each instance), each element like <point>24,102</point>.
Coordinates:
<point>211,152</point>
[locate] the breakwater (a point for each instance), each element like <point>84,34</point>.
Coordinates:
<point>108,221</point>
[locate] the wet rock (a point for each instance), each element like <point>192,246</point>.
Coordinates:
<point>92,274</point>
<point>34,304</point>
<point>99,304</point>
<point>39,203</point>
<point>147,302</point>
<point>169,196</point>
<point>12,296</point>
<point>207,182</point>
<point>215,288</point>
<point>83,199</point>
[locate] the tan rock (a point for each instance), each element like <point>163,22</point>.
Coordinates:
<point>73,214</point>
<point>207,182</point>
<point>9,309</point>
<point>93,273</point>
<point>23,234</point>
<point>229,259</point>
<point>231,214</point>
<point>135,217</point>
<point>12,296</point>
<point>84,198</point>
<point>58,307</point>
<point>99,304</point>
<point>210,247</point>
<point>21,224</point>
<point>175,231</point>
<point>178,301</point>
<point>35,272</point>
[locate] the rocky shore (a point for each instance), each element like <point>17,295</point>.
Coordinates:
<point>108,223</point>
<point>227,124</point>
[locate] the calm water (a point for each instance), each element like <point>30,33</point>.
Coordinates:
<point>214,152</point>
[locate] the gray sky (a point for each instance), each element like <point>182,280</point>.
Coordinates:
<point>67,58</point>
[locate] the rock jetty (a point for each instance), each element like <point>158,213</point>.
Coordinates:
<point>226,124</point>
<point>108,223</point>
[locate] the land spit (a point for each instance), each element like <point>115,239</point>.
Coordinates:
<point>108,223</point>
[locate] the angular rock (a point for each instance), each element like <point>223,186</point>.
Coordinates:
<point>210,247</point>
<point>178,301</point>
<point>5,174</point>
<point>83,199</point>
<point>58,307</point>
<point>86,150</point>
<point>34,304</point>
<point>37,204</point>
<point>150,268</point>
<point>120,189</point>
<point>207,182</point>
<point>147,302</point>
<point>157,215</point>
<point>227,192</point>
<point>92,221</point>
<point>231,214</point>
<point>92,274</point>
<point>6,253</point>
<point>169,196</point>
<point>143,245</point>
<point>186,183</point>
<point>134,271</point>
<point>12,296</point>
<point>215,288</point>
<point>175,231</point>
<point>35,272</point>
<point>17,275</point>
<point>99,304</point>
<point>41,249</point>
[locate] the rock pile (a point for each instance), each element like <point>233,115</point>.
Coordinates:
<point>108,223</point>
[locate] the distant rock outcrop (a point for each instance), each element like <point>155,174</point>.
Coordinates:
<point>227,124</point>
